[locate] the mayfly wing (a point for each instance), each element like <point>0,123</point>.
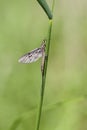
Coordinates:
<point>32,56</point>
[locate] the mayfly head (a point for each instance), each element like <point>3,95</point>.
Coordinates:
<point>43,45</point>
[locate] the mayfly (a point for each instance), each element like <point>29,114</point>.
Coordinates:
<point>34,55</point>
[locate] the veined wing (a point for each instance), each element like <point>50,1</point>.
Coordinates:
<point>32,56</point>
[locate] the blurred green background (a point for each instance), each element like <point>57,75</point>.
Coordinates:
<point>23,25</point>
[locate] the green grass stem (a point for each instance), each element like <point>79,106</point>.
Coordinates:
<point>45,71</point>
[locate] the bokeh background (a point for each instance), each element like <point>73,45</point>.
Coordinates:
<point>23,25</point>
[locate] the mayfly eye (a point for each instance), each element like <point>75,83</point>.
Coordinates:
<point>44,40</point>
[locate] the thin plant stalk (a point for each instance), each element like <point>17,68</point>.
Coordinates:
<point>44,71</point>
